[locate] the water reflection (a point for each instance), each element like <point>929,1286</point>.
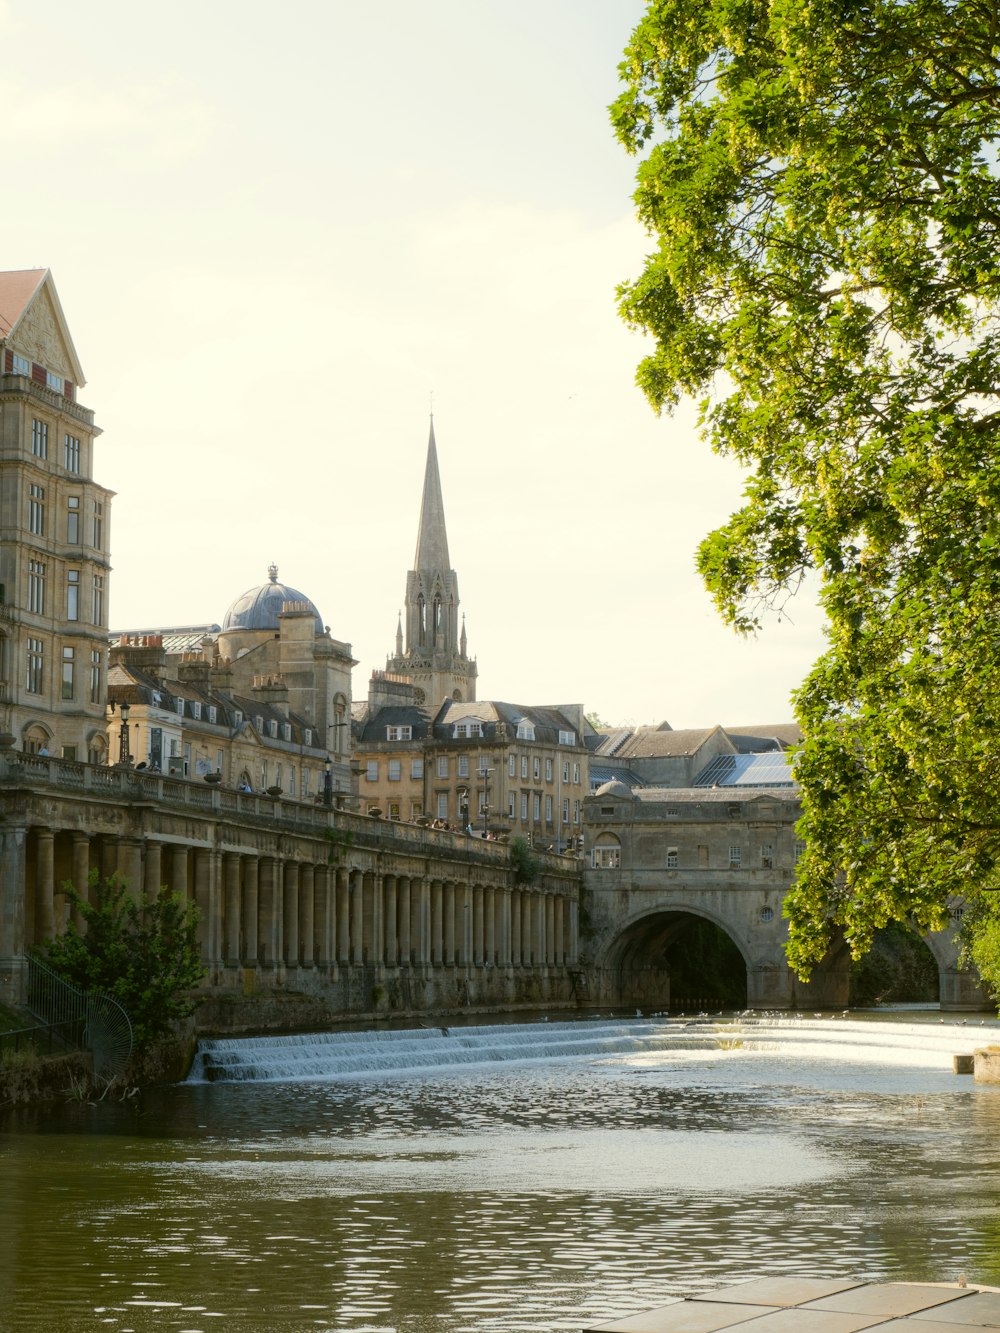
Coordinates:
<point>508,1198</point>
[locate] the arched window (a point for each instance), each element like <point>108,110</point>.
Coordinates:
<point>421,619</point>
<point>607,852</point>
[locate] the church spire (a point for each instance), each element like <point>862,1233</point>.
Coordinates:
<point>432,539</point>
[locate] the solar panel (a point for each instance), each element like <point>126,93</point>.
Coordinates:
<point>748,770</point>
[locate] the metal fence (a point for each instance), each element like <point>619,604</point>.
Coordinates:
<point>71,1019</point>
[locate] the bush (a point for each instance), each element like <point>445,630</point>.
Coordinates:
<point>145,955</point>
<point>524,862</point>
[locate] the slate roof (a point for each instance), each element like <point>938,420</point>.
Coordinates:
<point>602,773</point>
<point>648,743</point>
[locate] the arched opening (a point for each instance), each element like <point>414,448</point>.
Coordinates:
<point>681,961</point>
<point>899,968</point>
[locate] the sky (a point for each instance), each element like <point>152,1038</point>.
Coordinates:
<point>281,236</point>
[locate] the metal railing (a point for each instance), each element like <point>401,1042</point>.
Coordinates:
<point>71,1019</point>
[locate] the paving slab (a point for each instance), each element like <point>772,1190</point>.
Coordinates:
<point>686,1317</point>
<point>797,1320</point>
<point>891,1301</point>
<point>979,1309</point>
<point>781,1291</point>
<point>912,1324</point>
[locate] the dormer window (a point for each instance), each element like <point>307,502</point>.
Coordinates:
<point>286,731</point>
<point>308,739</point>
<point>238,717</point>
<point>567,738</point>
<point>273,729</point>
<point>525,730</point>
<point>180,707</point>
<point>196,710</point>
<point>399,733</point>
<point>212,712</point>
<point>259,722</point>
<point>465,729</point>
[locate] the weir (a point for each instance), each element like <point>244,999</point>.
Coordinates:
<point>384,1053</point>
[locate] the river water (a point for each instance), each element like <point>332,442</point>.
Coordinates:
<point>540,1191</point>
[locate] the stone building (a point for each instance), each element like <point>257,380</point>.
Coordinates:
<point>432,650</point>
<point>265,699</point>
<point>54,533</point>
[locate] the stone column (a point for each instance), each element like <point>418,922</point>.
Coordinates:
<point>153,875</point>
<point>437,922</point>
<point>205,896</point>
<point>357,916</point>
<point>343,916</point>
<point>559,934</point>
<point>517,899</point>
<point>251,876</point>
<point>290,917</point>
<point>179,872</point>
<point>574,931</point>
<point>268,881</point>
<point>504,926</point>
<point>307,919</point>
<point>478,926</point>
<point>550,929</point>
<point>130,866</point>
<point>490,900</point>
<point>391,923</point>
<point>421,902</point>
<point>231,906</point>
<point>403,908</point>
<point>449,923</point>
<point>528,955</point>
<point>323,915</point>
<point>81,873</point>
<point>45,887</point>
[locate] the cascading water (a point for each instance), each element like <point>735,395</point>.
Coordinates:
<point>365,1054</point>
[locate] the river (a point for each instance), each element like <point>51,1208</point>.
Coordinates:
<point>543,1190</point>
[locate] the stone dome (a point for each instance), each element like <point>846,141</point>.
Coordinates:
<point>259,608</point>
<point>615,788</point>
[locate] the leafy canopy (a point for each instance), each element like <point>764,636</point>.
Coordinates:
<point>146,955</point>
<point>820,178</point>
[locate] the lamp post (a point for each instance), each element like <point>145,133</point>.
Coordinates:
<point>484,773</point>
<point>124,754</point>
<point>328,783</point>
<point>463,808</point>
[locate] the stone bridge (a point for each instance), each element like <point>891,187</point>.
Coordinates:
<point>659,857</point>
<point>306,914</point>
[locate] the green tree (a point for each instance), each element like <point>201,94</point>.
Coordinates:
<point>146,955</point>
<point>820,178</point>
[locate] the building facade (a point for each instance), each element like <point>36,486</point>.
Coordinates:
<point>54,533</point>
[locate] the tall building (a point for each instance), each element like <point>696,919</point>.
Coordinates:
<point>432,651</point>
<point>54,533</point>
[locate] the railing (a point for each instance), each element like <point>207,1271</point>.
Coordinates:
<point>127,784</point>
<point>75,1019</point>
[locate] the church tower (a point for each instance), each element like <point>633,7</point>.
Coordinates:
<point>432,650</point>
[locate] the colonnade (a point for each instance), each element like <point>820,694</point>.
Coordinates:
<point>272,911</point>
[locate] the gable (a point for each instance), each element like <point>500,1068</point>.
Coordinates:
<point>39,331</point>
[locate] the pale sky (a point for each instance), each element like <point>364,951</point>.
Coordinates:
<point>276,231</point>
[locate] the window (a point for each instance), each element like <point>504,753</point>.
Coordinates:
<point>291,781</point>
<point>565,811</point>
<point>196,710</point>
<point>395,771</point>
<point>212,713</point>
<point>512,765</point>
<point>548,809</point>
<point>36,510</point>
<point>567,738</point>
<point>607,857</point>
<point>39,439</point>
<point>442,766</point>
<point>416,768</point>
<point>36,667</point>
<point>442,805</point>
<point>68,672</point>
<point>576,773</point>
<point>98,525</point>
<point>96,693</point>
<point>798,851</point>
<point>463,729</point>
<point>399,733</point>
<point>671,858</point>
<point>98,599</point>
<point>524,805</point>
<point>36,587</point>
<point>305,783</point>
<point>308,737</point>
<point>767,856</point>
<point>538,769</point>
<point>393,809</point>
<point>416,809</point>
<point>511,804</point>
<point>272,728</point>
<point>238,718</point>
<point>576,812</point>
<point>72,594</point>
<point>286,731</point>
<point>71,453</point>
<point>69,752</point>
<point>735,811</point>
<point>73,520</point>
<point>259,723</point>
<point>54,381</point>
<point>463,765</point>
<point>20,365</point>
<point>525,730</point>
<point>371,771</point>
<point>180,707</point>
<point>548,770</point>
<point>566,771</point>
<point>735,858</point>
<point>536,808</point>
<point>524,766</point>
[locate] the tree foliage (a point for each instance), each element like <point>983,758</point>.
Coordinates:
<point>820,178</point>
<point>146,955</point>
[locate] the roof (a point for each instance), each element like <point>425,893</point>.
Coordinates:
<point>699,795</point>
<point>601,773</point>
<point>771,735</point>
<point>18,290</point>
<point>176,638</point>
<point>432,537</point>
<point>748,770</point>
<point>648,743</point>
<point>259,608</point>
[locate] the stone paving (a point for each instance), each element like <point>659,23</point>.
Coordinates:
<point>808,1305</point>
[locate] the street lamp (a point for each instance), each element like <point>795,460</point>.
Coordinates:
<point>484,773</point>
<point>328,783</point>
<point>124,754</point>
<point>463,807</point>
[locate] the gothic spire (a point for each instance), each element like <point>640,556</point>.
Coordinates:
<point>432,539</point>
